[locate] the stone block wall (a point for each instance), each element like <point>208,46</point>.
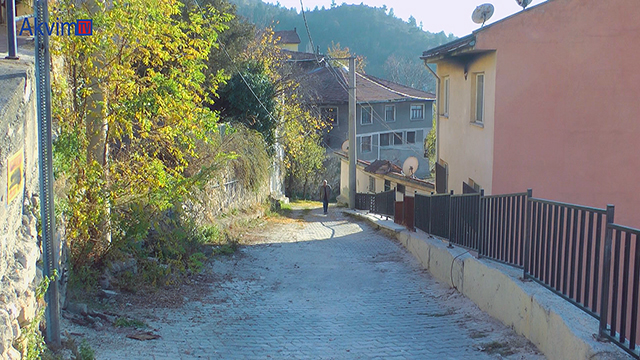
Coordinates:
<point>19,247</point>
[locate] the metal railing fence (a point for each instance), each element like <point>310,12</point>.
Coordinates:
<point>381,203</point>
<point>620,289</point>
<point>385,202</point>
<point>575,251</point>
<point>502,228</point>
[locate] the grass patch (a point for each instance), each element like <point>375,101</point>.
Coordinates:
<point>130,323</point>
<point>226,249</point>
<point>305,204</point>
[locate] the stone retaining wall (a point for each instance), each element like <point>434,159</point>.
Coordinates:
<point>19,247</point>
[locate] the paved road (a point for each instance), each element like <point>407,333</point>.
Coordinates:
<point>325,288</point>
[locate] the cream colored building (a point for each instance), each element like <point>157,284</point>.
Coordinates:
<point>373,183</point>
<point>287,39</point>
<point>546,99</point>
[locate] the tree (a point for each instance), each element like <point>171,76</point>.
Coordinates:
<point>301,140</point>
<point>337,52</point>
<point>249,98</point>
<point>410,72</point>
<point>412,21</point>
<point>137,98</point>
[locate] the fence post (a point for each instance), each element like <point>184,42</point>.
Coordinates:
<point>430,211</point>
<point>480,228</point>
<point>527,234</point>
<point>450,218</point>
<point>606,273</point>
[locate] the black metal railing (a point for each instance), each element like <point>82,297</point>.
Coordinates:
<point>621,280</point>
<point>423,213</point>
<point>465,220</point>
<point>566,252</point>
<point>365,202</point>
<point>502,228</point>
<point>381,203</point>
<point>385,203</point>
<point>440,211</point>
<point>575,251</point>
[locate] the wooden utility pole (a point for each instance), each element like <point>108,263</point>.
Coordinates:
<point>353,154</point>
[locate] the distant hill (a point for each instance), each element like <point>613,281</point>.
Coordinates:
<point>391,46</point>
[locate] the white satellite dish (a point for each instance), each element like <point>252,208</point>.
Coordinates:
<point>482,13</point>
<point>410,166</point>
<point>345,146</point>
<point>523,3</point>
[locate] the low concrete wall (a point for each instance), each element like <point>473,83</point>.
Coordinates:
<point>19,248</point>
<point>559,329</point>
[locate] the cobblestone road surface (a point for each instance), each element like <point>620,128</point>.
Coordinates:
<point>326,288</point>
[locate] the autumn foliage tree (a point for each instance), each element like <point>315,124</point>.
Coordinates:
<point>129,108</point>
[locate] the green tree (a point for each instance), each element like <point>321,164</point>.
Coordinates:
<point>249,98</point>
<point>131,103</point>
<point>301,140</point>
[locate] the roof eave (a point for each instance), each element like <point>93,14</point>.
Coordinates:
<point>454,48</point>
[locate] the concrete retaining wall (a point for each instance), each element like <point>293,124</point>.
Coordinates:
<point>19,247</point>
<point>559,329</point>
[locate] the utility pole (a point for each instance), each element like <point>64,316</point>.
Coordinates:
<point>353,154</point>
<point>11,30</point>
<point>50,247</point>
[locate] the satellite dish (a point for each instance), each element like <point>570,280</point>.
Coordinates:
<point>410,166</point>
<point>345,146</point>
<point>483,13</point>
<point>523,3</point>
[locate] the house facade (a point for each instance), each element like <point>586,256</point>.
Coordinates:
<point>545,99</point>
<point>392,120</point>
<point>373,182</point>
<point>287,39</point>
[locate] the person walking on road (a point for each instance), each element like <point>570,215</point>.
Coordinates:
<point>325,194</point>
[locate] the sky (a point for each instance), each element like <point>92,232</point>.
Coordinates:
<point>450,16</point>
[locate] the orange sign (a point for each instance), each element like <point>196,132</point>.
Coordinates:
<point>14,175</point>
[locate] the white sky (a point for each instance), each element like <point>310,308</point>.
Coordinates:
<point>450,16</point>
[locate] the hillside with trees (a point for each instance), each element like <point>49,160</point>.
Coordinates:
<point>391,46</point>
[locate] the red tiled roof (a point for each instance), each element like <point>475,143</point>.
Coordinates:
<point>382,167</point>
<point>328,85</point>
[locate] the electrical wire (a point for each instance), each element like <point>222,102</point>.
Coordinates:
<point>452,262</point>
<point>224,49</point>
<point>306,25</point>
<point>374,114</point>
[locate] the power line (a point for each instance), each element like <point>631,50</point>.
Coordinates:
<point>375,116</point>
<point>224,49</point>
<point>306,25</point>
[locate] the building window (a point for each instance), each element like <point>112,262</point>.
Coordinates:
<point>365,144</point>
<point>366,115</point>
<point>411,137</point>
<point>397,138</point>
<point>479,98</point>
<point>417,112</point>
<point>384,139</point>
<point>390,113</point>
<point>330,115</point>
<point>445,96</point>
<point>387,185</point>
<point>372,184</point>
<point>400,188</point>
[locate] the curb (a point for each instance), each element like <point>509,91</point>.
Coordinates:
<point>557,328</point>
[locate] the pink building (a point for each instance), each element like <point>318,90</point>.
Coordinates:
<point>548,99</point>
